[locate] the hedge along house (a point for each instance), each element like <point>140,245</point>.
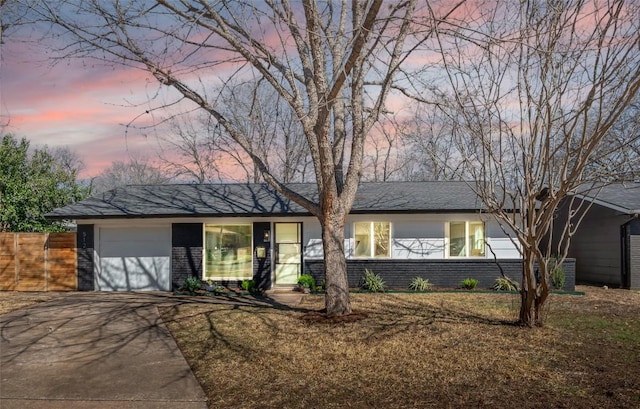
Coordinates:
<point>606,244</point>
<point>154,237</point>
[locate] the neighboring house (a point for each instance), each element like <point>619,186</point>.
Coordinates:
<point>153,237</point>
<point>606,244</point>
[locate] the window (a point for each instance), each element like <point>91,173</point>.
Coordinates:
<point>372,239</point>
<point>466,239</point>
<point>227,250</point>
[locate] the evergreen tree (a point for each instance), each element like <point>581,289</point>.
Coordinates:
<point>33,183</point>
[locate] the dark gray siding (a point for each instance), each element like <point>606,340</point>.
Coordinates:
<point>261,266</point>
<point>596,246</point>
<point>86,264</point>
<point>186,252</point>
<point>634,262</point>
<point>441,273</point>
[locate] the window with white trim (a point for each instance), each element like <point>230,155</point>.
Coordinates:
<point>372,239</point>
<point>465,239</point>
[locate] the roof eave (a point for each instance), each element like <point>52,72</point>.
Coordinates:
<point>270,214</point>
<point>608,205</point>
<point>167,215</point>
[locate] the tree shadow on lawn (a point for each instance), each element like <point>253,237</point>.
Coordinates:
<point>229,342</point>
<point>398,312</point>
<point>395,314</point>
<point>87,330</point>
<point>412,305</point>
<point>90,327</point>
<point>259,305</point>
<point>393,310</point>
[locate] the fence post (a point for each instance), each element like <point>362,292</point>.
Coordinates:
<point>16,261</point>
<point>46,262</point>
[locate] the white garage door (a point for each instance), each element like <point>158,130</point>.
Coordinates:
<point>134,259</point>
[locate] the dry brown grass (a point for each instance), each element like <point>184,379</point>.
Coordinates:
<point>415,351</point>
<point>15,300</point>
<point>409,351</point>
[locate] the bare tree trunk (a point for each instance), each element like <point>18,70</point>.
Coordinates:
<point>540,301</point>
<point>528,294</point>
<point>534,293</point>
<point>335,265</point>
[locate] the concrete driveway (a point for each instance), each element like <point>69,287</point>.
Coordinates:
<point>93,350</point>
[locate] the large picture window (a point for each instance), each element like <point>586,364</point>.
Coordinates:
<point>372,239</point>
<point>466,239</point>
<point>228,254</point>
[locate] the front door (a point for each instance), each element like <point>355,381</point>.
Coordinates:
<point>288,256</point>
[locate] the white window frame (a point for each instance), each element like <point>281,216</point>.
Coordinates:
<point>467,246</point>
<point>372,244</point>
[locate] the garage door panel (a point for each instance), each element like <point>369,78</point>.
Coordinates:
<point>135,242</point>
<point>134,259</point>
<point>135,250</point>
<point>134,234</point>
<point>134,273</point>
<point>113,275</point>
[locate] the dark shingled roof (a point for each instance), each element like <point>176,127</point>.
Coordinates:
<point>262,200</point>
<point>624,197</point>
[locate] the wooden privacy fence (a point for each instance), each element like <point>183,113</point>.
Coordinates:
<point>38,262</point>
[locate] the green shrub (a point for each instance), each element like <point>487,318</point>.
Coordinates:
<point>248,285</point>
<point>420,284</point>
<point>557,275</point>
<point>307,281</point>
<point>469,283</point>
<point>191,284</point>
<point>505,284</point>
<point>373,282</point>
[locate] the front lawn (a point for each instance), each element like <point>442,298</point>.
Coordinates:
<point>15,300</point>
<point>416,350</point>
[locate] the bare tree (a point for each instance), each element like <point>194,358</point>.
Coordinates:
<point>195,149</point>
<point>12,16</point>
<point>385,155</point>
<point>271,127</point>
<point>430,150</point>
<point>67,160</point>
<point>618,157</point>
<point>536,88</point>
<point>135,171</point>
<point>333,63</point>
<point>419,146</point>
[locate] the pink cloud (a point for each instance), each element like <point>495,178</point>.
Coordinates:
<point>73,103</point>
<point>84,104</point>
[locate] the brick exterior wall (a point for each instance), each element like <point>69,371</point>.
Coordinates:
<point>441,273</point>
<point>86,262</point>
<point>186,252</point>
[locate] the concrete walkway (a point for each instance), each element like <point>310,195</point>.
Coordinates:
<point>291,299</point>
<point>93,350</point>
